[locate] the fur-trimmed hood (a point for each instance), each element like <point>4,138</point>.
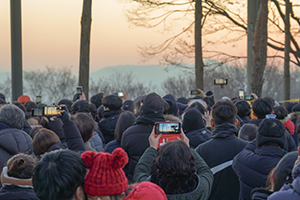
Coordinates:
<point>172,118</point>
<point>294,115</point>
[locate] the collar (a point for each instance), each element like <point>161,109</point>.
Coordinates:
<point>9,180</point>
<point>224,130</point>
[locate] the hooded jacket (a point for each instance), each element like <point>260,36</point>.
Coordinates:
<point>204,176</point>
<point>218,153</point>
<point>13,141</point>
<point>253,164</point>
<point>135,139</point>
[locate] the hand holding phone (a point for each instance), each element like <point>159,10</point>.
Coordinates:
<point>170,131</point>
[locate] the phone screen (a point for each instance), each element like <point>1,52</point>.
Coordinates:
<point>51,110</point>
<point>194,92</point>
<point>241,94</point>
<point>248,97</point>
<point>38,99</point>
<point>37,112</point>
<point>170,131</point>
<point>79,90</point>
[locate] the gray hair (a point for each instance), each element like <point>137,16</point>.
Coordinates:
<point>12,116</point>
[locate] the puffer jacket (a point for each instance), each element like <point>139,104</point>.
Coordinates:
<point>14,192</point>
<point>13,141</point>
<point>253,164</point>
<point>290,192</point>
<point>260,194</point>
<point>197,137</point>
<point>203,173</point>
<point>96,141</point>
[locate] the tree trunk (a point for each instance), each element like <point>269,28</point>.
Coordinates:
<point>199,65</point>
<point>260,48</point>
<point>84,66</point>
<point>287,76</point>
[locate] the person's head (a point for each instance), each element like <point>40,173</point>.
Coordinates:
<point>43,140</point>
<point>175,159</point>
<point>153,101</point>
<point>146,191</point>
<point>2,96</point>
<point>224,111</point>
<point>128,105</point>
<point>126,119</point>
<point>19,166</point>
<point>290,106</point>
<point>85,124</point>
<point>173,108</point>
<point>261,107</point>
<point>209,101</point>
<point>196,105</point>
<point>59,175</point>
<point>93,110</point>
<point>243,108</point>
<point>271,132</point>
<point>33,121</point>
<point>192,120</point>
<point>280,112</point>
<point>29,105</point>
<point>296,108</point>
<point>248,132</point>
<point>100,111</point>
<point>68,103</point>
<point>80,106</point>
<point>105,177</point>
<point>97,99</point>
<point>12,116</point>
<point>137,104</point>
<point>19,105</point>
<point>2,101</point>
<point>112,102</point>
<point>23,99</point>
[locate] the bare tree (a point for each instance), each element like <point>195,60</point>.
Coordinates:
<point>84,66</point>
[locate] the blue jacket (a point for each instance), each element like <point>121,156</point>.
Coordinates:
<point>253,164</point>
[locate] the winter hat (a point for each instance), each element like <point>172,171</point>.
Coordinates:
<point>181,107</point>
<point>192,120</point>
<point>296,108</point>
<point>173,108</point>
<point>270,130</point>
<point>285,166</point>
<point>183,100</point>
<point>153,101</point>
<point>23,99</point>
<point>146,191</point>
<point>105,176</point>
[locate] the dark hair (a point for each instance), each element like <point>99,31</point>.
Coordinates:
<point>243,108</point>
<point>138,104</point>
<point>290,106</point>
<point>58,174</point>
<point>85,124</point>
<point>271,99</point>
<point>126,119</point>
<point>2,96</point>
<point>224,111</point>
<point>113,102</point>
<point>261,107</point>
<point>19,105</point>
<point>80,106</point>
<point>12,116</point>
<point>278,181</point>
<point>93,110</point>
<point>280,112</point>
<point>20,166</point>
<point>175,159</point>
<point>209,101</point>
<point>197,106</point>
<point>100,111</point>
<point>97,99</point>
<point>29,105</point>
<point>128,105</point>
<point>248,132</point>
<point>66,102</point>
<point>43,140</point>
<point>34,131</point>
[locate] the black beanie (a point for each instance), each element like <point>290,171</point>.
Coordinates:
<point>153,101</point>
<point>271,130</point>
<point>296,108</point>
<point>192,120</point>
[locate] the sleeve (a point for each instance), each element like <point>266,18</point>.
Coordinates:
<point>73,137</point>
<point>143,169</point>
<point>205,175</point>
<point>57,127</point>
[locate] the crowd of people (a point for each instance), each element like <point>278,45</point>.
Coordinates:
<point>109,148</point>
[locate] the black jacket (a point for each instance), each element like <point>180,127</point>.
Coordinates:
<point>197,137</point>
<point>135,139</point>
<point>108,123</point>
<point>14,192</point>
<point>218,153</point>
<point>253,164</point>
<point>260,194</point>
<point>13,141</point>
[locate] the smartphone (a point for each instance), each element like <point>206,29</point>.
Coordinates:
<point>120,94</point>
<point>169,130</point>
<point>52,111</point>
<point>241,94</point>
<point>79,90</point>
<point>36,112</point>
<point>220,81</point>
<point>248,97</point>
<point>38,99</point>
<point>194,92</point>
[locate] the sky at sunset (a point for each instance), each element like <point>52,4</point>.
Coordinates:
<point>51,35</point>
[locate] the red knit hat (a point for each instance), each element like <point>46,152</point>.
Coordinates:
<point>106,176</point>
<point>146,191</point>
<point>23,99</point>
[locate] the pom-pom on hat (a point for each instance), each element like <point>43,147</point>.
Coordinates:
<point>105,176</point>
<point>146,191</point>
<point>23,99</point>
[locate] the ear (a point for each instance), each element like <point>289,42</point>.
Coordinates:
<point>79,195</point>
<point>236,122</point>
<point>212,123</point>
<point>121,196</point>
